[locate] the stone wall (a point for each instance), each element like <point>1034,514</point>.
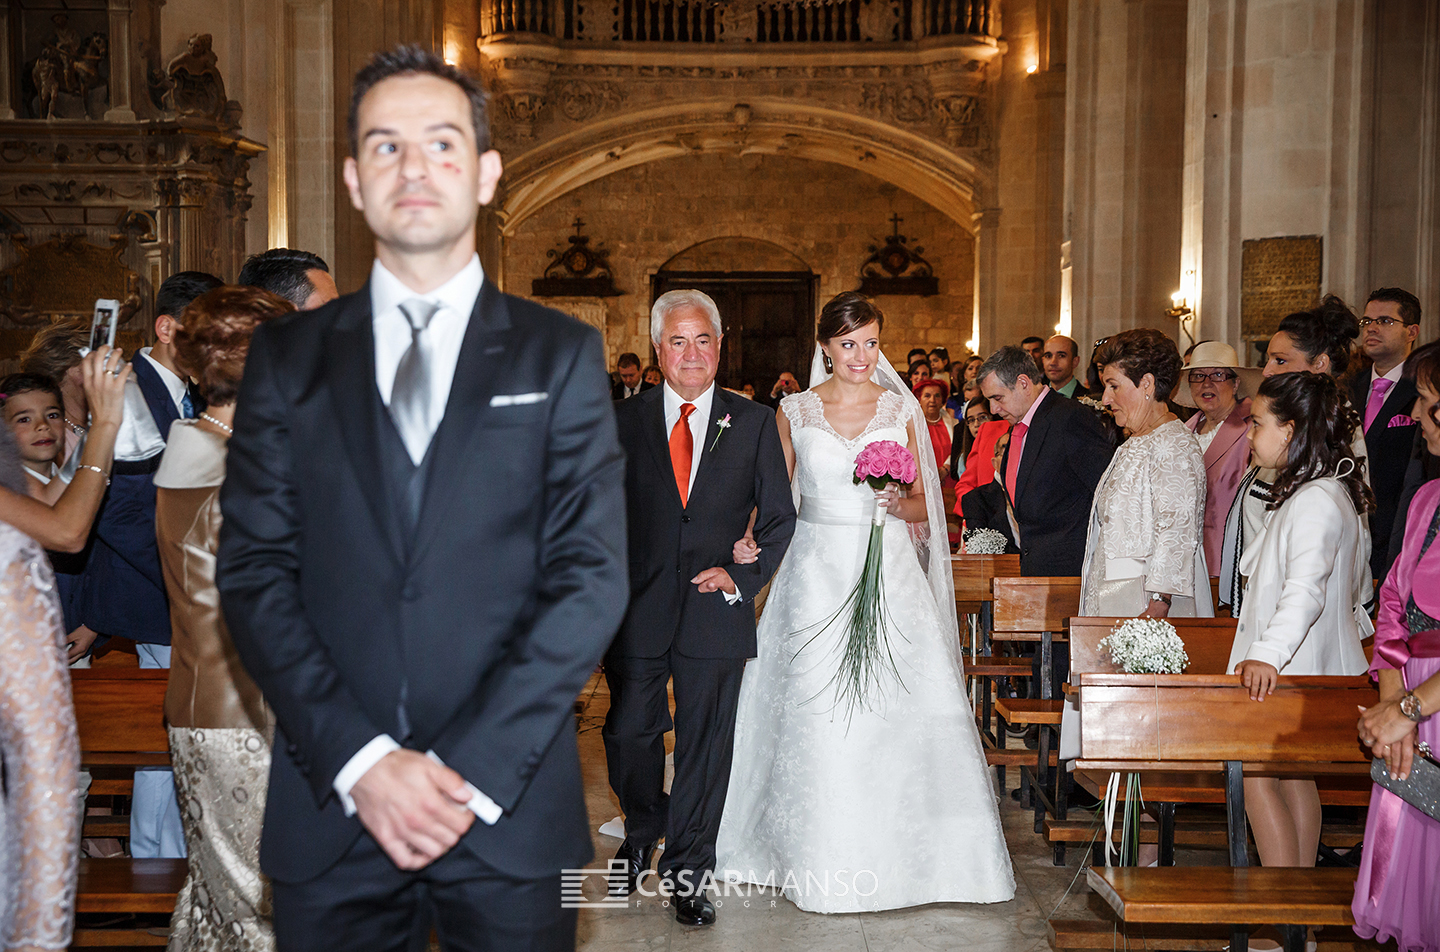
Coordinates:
<point>826,215</point>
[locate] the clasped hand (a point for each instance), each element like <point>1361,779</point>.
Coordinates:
<point>1389,734</point>
<point>415,808</point>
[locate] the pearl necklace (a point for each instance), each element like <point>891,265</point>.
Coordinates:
<point>210,419</point>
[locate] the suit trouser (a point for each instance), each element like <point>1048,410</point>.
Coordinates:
<point>707,692</point>
<point>156,831</point>
<point>365,903</point>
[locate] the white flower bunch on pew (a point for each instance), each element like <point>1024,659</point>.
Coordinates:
<point>985,542</point>
<point>1146,646</point>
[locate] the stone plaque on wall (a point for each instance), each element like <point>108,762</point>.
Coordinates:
<point>1277,277</point>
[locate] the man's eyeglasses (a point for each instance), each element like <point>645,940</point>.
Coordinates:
<point>1382,321</point>
<point>1219,376</point>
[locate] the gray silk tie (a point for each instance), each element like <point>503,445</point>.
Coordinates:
<point>410,396</point>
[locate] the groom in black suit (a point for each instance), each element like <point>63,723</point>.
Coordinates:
<point>699,461</point>
<point>421,560</point>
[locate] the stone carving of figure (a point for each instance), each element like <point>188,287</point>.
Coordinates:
<point>68,64</point>
<point>740,21</point>
<point>877,21</point>
<point>196,86</point>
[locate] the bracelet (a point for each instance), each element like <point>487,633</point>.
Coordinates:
<point>94,469</point>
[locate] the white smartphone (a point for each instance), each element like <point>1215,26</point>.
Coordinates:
<point>102,324</point>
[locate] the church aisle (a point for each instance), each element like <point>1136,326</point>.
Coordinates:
<point>773,923</point>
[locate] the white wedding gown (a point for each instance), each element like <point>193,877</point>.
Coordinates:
<point>892,805</point>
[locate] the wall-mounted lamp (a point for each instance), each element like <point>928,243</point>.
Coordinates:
<point>1178,309</point>
<point>1031,68</point>
<point>972,345</point>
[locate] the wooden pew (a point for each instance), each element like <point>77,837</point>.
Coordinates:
<point>1034,610</point>
<point>1199,722</point>
<point>973,577</point>
<point>1207,644</point>
<point>120,713</point>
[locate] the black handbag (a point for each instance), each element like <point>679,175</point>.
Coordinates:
<point>1421,789</point>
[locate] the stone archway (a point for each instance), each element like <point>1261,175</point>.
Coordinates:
<point>736,253</point>
<point>937,175</point>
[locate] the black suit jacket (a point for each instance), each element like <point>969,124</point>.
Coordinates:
<point>984,508</point>
<point>1389,448</point>
<point>121,591</point>
<point>494,611</point>
<point>1064,454</point>
<point>617,391</point>
<point>669,546</point>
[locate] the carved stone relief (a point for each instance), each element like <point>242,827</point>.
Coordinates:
<point>65,57</point>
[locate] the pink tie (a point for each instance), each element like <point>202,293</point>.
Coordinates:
<point>1378,389</point>
<point>1012,464</point>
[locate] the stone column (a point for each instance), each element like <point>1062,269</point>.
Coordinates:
<point>1123,160</point>
<point>7,109</point>
<point>120,54</point>
<point>989,335</point>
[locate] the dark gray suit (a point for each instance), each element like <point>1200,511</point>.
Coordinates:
<point>460,611</point>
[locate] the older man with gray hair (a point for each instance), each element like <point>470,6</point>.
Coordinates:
<point>699,460</point>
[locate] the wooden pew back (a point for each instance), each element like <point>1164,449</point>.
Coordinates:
<point>120,713</point>
<point>973,576</point>
<point>1032,605</point>
<point>1207,643</point>
<point>1162,721</point>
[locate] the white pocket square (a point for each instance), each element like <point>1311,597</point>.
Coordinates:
<point>518,399</point>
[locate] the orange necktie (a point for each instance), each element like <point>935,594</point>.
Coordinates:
<point>682,451</point>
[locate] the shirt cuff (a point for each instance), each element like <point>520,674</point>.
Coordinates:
<point>365,758</point>
<point>482,806</point>
<point>733,599</point>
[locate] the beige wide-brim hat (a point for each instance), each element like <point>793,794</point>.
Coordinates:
<point>1217,355</point>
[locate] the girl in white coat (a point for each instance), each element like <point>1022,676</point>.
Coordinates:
<point>1306,570</point>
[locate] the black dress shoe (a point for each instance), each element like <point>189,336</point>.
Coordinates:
<point>695,911</point>
<point>636,859</point>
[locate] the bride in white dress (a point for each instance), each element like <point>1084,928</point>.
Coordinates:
<point>889,804</point>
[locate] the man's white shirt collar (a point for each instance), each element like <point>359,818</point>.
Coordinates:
<point>673,401</point>
<point>173,384</point>
<point>458,294</point>
<point>1394,376</point>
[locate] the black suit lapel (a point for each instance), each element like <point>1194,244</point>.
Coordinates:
<point>1398,402</point>
<point>1034,440</point>
<point>157,395</point>
<point>351,348</point>
<point>719,409</point>
<point>482,352</point>
<point>653,426</point>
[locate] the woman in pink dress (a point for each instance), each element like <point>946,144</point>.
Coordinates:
<point>1395,894</point>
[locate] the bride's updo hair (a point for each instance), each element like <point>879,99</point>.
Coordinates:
<point>847,311</point>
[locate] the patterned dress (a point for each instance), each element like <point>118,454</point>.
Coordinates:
<point>40,751</point>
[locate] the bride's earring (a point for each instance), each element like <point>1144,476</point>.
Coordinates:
<point>829,367</point>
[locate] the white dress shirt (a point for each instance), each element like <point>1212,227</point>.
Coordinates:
<point>699,420</point>
<point>1394,376</point>
<point>174,384</point>
<point>446,330</point>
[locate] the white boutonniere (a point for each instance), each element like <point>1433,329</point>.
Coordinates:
<point>724,424</point>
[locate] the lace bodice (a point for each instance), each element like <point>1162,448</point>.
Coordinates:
<point>40,815</point>
<point>825,460</point>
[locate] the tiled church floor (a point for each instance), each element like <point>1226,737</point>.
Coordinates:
<point>1017,925</point>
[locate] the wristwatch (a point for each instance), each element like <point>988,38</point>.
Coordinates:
<point>1160,597</point>
<point>1410,707</point>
